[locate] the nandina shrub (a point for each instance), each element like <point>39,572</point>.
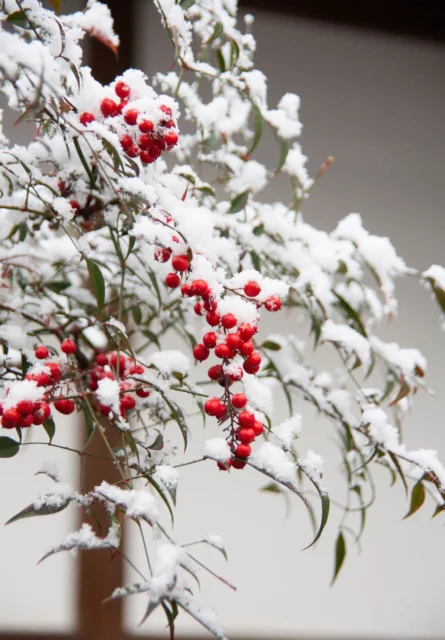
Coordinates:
<point>112,239</point>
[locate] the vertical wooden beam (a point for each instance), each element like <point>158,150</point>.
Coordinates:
<point>98,571</point>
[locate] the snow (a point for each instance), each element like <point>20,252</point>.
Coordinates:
<point>259,394</point>
<point>22,390</point>
<point>112,322</point>
<point>436,273</point>
<point>295,165</point>
<point>165,569</point>
<point>313,465</point>
<point>243,310</point>
<point>214,540</point>
<point>108,393</point>
<point>379,427</point>
<point>60,494</point>
<point>169,476</point>
<point>217,449</point>
<point>288,430</point>
<point>169,361</point>
<point>137,504</point>
<point>348,338</point>
<point>275,462</point>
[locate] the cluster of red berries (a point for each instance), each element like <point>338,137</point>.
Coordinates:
<point>147,141</point>
<point>114,366</point>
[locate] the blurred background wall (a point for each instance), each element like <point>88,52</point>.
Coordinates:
<point>376,102</point>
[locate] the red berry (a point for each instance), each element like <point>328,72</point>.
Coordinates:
<point>131,116</point>
<point>246,436</point>
<point>127,402</point>
<point>171,138</point>
<point>213,318</point>
<point>211,406</point>
<point>250,368</point>
<point>146,126</point>
<point>126,142</point>
<point>10,418</point>
<point>155,152</point>
<point>104,409</point>
<point>169,124</point>
<point>165,109</point>
<point>162,254</point>
<point>199,287</point>
<point>252,288</point>
<point>246,419</point>
<point>68,346</point>
<point>25,421</point>
<point>108,107</point>
<point>243,451</point>
<point>209,339</point>
<point>133,152</point>
<point>113,364</point>
<point>41,352</point>
<point>136,369</point>
<point>86,118</point>
<point>198,308</point>
<point>46,409</point>
<point>145,142</point>
<point>222,351</point>
<point>143,393</point>
<point>209,303</point>
<point>146,157</point>
<point>55,372</point>
<point>246,330</point>
<point>102,359</point>
<point>273,303</point>
<point>236,374</point>
<point>75,205</point>
<point>215,372</point>
<point>172,280</point>
<point>258,428</point>
<point>200,352</point>
<point>224,466</point>
<point>64,406</point>
<point>239,400</point>
<point>186,290</point>
<point>24,407</point>
<point>233,341</point>
<point>122,90</point>
<point>246,348</point>
<point>238,464</point>
<point>228,321</point>
<point>254,360</point>
<point>221,412</point>
<point>180,263</point>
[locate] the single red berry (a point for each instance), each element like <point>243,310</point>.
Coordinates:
<point>41,352</point>
<point>228,321</point>
<point>273,303</point>
<point>250,368</point>
<point>102,359</point>
<point>165,109</point>
<point>213,318</point>
<point>108,107</point>
<point>243,451</point>
<point>180,263</point>
<point>246,348</point>
<point>24,407</point>
<point>211,406</point>
<point>160,143</point>
<point>131,116</point>
<point>246,436</point>
<point>172,280</point>
<point>224,466</point>
<point>200,352</point>
<point>238,464</point>
<point>127,402</point>
<point>199,287</point>
<point>146,157</point>
<point>252,288</point>
<point>143,393</point>
<point>42,379</point>
<point>169,124</point>
<point>233,341</point>
<point>10,418</point>
<point>171,138</point>
<point>86,118</point>
<point>46,410</point>
<point>222,351</point>
<point>55,372</point>
<point>239,400</point>
<point>155,152</point>
<point>254,360</point>
<point>133,152</point>
<point>209,339</point>
<point>136,369</point>
<point>64,406</point>
<point>37,418</point>
<point>146,126</point>
<point>122,90</point>
<point>104,409</point>
<point>258,428</point>
<point>215,372</point>
<point>68,346</point>
<point>145,142</point>
<point>235,374</point>
<point>221,412</point>
<point>246,330</point>
<point>75,206</point>
<point>162,254</point>
<point>198,308</point>
<point>209,303</point>
<point>246,419</point>
<point>186,290</point>
<point>25,421</point>
<point>126,142</point>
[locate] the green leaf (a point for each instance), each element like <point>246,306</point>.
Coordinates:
<point>97,283</point>
<point>186,4</point>
<point>257,127</point>
<point>283,154</point>
<point>221,61</point>
<point>325,505</point>
<point>137,314</point>
<point>162,495</point>
<point>272,346</point>
<point>8,447</point>
<point>129,590</point>
<point>45,510</point>
<point>234,53</point>
<point>50,428</point>
<point>218,32</point>
<point>239,202</point>
<point>158,444</point>
<point>255,260</point>
<point>19,19</point>
<point>417,499</point>
<point>57,286</point>
<point>84,162</point>
<point>340,554</point>
<point>399,470</point>
<point>258,230</point>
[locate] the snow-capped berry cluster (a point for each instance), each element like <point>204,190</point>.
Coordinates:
<point>145,130</point>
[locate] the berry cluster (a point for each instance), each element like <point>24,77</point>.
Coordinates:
<point>232,343</point>
<point>146,136</point>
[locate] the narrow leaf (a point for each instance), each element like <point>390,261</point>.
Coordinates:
<point>45,510</point>
<point>239,202</point>
<point>50,428</point>
<point>8,447</point>
<point>340,554</point>
<point>97,283</point>
<point>417,499</point>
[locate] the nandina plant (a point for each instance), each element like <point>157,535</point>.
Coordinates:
<point>118,231</point>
